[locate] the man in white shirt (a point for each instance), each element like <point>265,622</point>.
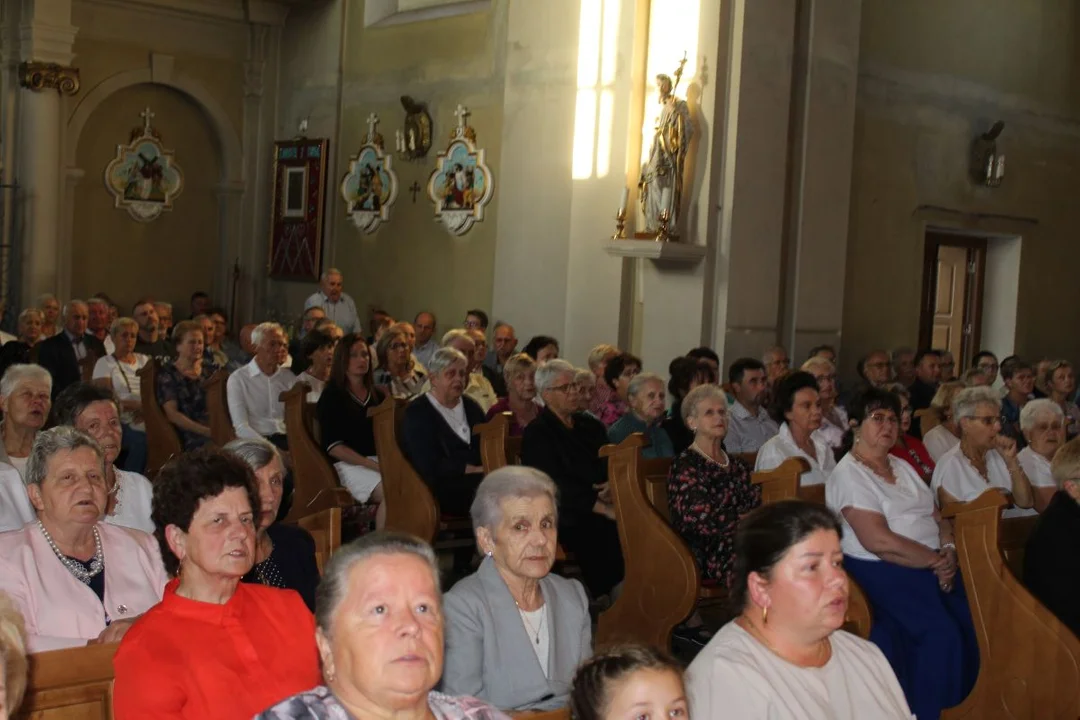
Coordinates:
<point>98,323</point>
<point>749,425</point>
<point>479,387</point>
<point>424,323</point>
<point>338,306</point>
<point>254,390</point>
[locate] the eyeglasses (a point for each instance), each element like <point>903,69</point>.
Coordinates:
<point>881,419</point>
<point>988,366</point>
<point>398,346</point>
<point>987,420</point>
<point>567,388</point>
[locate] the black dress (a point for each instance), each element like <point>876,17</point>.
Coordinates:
<point>1051,560</point>
<point>291,564</point>
<point>440,455</point>
<point>681,437</point>
<point>344,420</point>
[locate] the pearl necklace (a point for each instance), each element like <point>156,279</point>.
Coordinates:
<point>97,563</point>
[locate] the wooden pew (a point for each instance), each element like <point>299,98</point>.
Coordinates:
<point>1012,539</point>
<point>70,684</point>
<point>316,484</point>
<point>1029,662</point>
<point>217,405</point>
<point>162,441</point>
<point>560,714</point>
<point>410,506</point>
<point>497,448</point>
<point>86,367</point>
<point>325,528</point>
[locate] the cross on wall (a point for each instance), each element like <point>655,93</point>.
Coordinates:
<point>415,190</point>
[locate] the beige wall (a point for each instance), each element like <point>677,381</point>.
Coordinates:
<point>933,75</point>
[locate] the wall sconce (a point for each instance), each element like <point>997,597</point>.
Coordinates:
<point>413,140</point>
<point>987,165</point>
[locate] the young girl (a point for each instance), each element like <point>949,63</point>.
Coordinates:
<point>626,683</point>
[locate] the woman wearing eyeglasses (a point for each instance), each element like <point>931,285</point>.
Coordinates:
<point>909,448</point>
<point>1060,383</point>
<point>903,556</point>
<point>398,369</point>
<point>984,458</point>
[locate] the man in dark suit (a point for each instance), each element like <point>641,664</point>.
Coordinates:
<point>61,353</point>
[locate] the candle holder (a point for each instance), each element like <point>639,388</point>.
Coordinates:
<point>620,225</point>
<point>662,233</point>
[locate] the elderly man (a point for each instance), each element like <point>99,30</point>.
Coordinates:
<point>164,312</point>
<point>50,310</point>
<point>925,385</point>
<point>505,346</point>
<point>425,347</point>
<point>254,389</point>
<point>479,388</point>
<point>338,306</point>
<point>61,354</point>
<point>98,323</point>
<point>497,379</point>
<point>200,304</point>
<point>749,425</point>
<point>903,363</point>
<point>150,342</point>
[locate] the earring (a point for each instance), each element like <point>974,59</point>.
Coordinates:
<point>488,553</point>
<point>764,616</point>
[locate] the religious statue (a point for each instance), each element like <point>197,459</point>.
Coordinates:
<point>663,171</point>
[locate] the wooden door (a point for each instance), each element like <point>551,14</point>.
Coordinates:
<point>951,314</point>
<point>950,295</point>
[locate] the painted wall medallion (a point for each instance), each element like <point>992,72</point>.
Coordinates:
<point>462,184</point>
<point>370,187</point>
<point>144,178</point>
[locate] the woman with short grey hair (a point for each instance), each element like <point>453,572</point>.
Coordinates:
<point>284,554</point>
<point>398,370</point>
<point>380,664</point>
<point>646,397</point>
<point>1043,423</point>
<point>47,565</point>
<point>26,399</point>
<point>984,458</point>
<point>540,620</point>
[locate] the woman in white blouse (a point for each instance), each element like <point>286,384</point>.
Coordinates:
<point>833,418</point>
<point>945,435</point>
<point>797,406</point>
<point>318,349</point>
<point>119,373</point>
<point>902,554</point>
<point>785,657</point>
<point>1043,424</point>
<point>984,458</point>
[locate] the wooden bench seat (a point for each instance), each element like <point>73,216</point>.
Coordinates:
<point>162,440</point>
<point>315,481</point>
<point>325,529</point>
<point>217,406</point>
<point>70,684</point>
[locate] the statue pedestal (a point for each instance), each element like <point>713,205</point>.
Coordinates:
<point>660,252</point>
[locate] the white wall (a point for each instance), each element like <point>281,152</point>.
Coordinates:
<point>1000,293</point>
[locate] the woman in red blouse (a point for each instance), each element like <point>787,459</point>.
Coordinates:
<point>214,647</point>
<point>909,448</point>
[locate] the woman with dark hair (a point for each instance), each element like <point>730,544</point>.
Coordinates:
<point>785,656</point>
<point>620,370</point>
<point>180,386</point>
<point>685,374</point>
<point>797,408</point>
<point>902,554</point>
<point>542,348</point>
<point>214,646</point>
<point>398,370</point>
<point>628,681</point>
<point>317,348</point>
<point>909,448</point>
<point>347,433</point>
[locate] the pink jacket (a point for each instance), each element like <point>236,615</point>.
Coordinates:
<point>60,611</point>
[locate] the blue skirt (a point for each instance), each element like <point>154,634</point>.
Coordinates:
<point>926,634</point>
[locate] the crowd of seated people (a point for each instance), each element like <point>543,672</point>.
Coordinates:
<point>219,606</point>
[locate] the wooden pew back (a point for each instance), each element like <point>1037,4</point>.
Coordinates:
<point>71,684</point>
<point>217,405</point>
<point>495,450</point>
<point>316,485</point>
<point>162,441</point>
<point>410,506</point>
<point>325,528</point>
<point>1029,661</point>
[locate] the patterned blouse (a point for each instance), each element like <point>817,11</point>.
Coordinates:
<point>190,397</point>
<point>320,704</point>
<point>706,501</point>
<point>612,410</point>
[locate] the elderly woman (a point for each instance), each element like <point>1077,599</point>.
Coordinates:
<point>1051,563</point>
<point>515,633</point>
<point>95,411</point>
<point>984,458</point>
<point>902,554</point>
<point>599,357</point>
<point>347,432</point>
<point>708,490</point>
<point>317,348</point>
<point>50,313</point>
<point>119,373</point>
<point>586,383</point>
<point>542,348</point>
<point>908,447</point>
<point>398,369</point>
<point>945,435</point>
<point>620,370</point>
<point>380,636</point>
<point>646,397</point>
<point>1043,425</point>
<point>685,374</point>
<point>284,554</point>
<point>1060,383</point>
<point>833,418</point>
<point>23,349</point>
<point>785,656</point>
<point>438,434</point>
<point>477,386</point>
<point>565,445</point>
<point>214,647</point>
<point>13,665</point>
<point>629,681</point>
<point>180,386</point>
<point>520,373</point>
<point>25,397</point>
<point>48,565</point>
<point>797,408</point>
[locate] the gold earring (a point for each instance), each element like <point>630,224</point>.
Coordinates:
<point>765,616</point>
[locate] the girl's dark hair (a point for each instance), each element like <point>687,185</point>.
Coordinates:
<point>766,534</point>
<point>186,481</point>
<point>591,688</point>
<point>683,371</point>
<point>314,341</point>
<point>538,343</point>
<point>74,400</point>
<point>617,364</point>
<point>784,398</point>
<point>341,362</point>
<point>860,407</point>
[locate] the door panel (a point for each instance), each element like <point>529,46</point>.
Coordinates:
<point>949,299</point>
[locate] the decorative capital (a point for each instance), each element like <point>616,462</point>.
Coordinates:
<point>40,76</point>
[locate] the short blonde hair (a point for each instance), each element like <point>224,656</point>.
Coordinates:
<point>1066,464</point>
<point>598,353</point>
<point>122,322</point>
<point>517,364</point>
<point>818,362</point>
<point>12,652</point>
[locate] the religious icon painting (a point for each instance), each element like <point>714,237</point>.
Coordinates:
<point>371,186</point>
<point>462,184</point>
<point>144,178</point>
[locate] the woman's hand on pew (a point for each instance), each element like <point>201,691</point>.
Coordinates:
<point>113,633</point>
